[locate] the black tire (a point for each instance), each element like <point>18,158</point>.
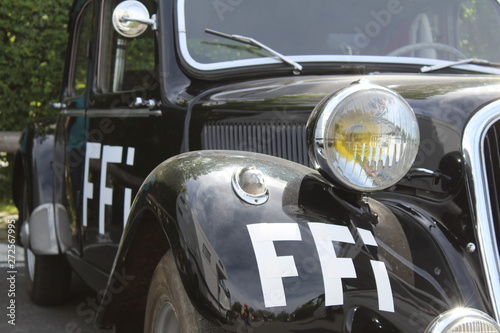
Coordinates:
<point>168,306</point>
<point>48,278</point>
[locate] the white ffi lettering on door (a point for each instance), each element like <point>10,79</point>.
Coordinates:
<point>127,200</point>
<point>93,151</point>
<point>110,154</point>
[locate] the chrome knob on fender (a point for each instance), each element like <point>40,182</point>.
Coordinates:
<point>249,185</point>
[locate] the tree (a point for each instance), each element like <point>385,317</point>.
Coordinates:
<point>34,37</point>
<point>32,50</point>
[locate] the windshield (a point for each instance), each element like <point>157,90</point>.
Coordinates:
<point>336,30</point>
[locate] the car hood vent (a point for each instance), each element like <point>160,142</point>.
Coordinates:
<point>280,139</point>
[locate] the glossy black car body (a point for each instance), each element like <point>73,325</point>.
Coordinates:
<point>143,165</point>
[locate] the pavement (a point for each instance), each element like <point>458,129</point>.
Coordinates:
<point>19,315</point>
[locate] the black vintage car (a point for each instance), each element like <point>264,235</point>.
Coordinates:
<point>272,166</point>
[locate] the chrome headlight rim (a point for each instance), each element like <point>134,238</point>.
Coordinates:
<point>321,118</point>
<point>449,319</point>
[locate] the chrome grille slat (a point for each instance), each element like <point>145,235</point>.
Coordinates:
<point>492,149</point>
<point>285,140</point>
<point>478,151</point>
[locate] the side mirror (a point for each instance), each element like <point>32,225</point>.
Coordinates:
<point>131,19</point>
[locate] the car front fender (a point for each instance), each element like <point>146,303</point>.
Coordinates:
<point>305,256</point>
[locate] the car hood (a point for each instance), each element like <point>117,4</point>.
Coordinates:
<point>449,98</point>
<point>240,116</point>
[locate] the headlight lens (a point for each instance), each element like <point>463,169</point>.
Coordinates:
<point>463,320</point>
<point>365,137</point>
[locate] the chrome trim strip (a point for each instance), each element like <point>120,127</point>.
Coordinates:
<point>473,149</point>
<point>123,113</point>
<point>182,34</point>
<point>72,112</point>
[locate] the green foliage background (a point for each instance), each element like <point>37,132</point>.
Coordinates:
<point>32,50</point>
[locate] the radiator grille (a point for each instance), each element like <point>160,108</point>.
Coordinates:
<point>492,159</point>
<point>285,140</point>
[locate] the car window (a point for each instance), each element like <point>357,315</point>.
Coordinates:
<point>81,51</point>
<point>322,28</point>
<point>125,63</point>
<point>477,28</point>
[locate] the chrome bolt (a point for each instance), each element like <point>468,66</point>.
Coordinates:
<point>471,247</point>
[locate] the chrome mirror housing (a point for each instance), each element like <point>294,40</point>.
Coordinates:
<point>131,19</point>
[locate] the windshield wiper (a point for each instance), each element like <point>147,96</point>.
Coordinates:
<point>481,62</point>
<point>297,68</point>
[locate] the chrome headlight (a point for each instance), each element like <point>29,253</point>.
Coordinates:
<point>364,137</point>
<point>463,320</point>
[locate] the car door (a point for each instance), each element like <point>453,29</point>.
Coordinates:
<point>70,138</point>
<point>124,125</point>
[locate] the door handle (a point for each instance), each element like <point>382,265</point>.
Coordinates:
<point>140,102</point>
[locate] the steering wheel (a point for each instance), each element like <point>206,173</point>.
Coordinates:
<point>422,46</point>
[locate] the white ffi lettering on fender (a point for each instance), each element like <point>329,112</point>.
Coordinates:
<point>384,290</point>
<point>334,269</point>
<point>271,267</point>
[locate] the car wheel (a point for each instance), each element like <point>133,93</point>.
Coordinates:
<point>48,278</point>
<point>168,306</point>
